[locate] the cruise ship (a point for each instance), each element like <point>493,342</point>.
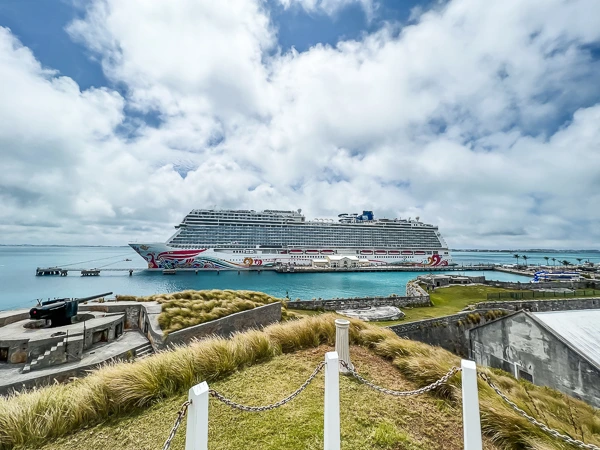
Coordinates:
<point>240,239</point>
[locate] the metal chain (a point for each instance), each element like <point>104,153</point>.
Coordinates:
<point>422,390</point>
<point>241,407</point>
<point>522,413</point>
<point>180,416</point>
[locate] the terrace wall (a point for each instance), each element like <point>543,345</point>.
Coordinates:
<point>357,303</point>
<point>253,318</point>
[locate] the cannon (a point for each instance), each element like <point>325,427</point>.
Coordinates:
<point>60,311</point>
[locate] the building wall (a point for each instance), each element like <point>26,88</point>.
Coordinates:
<point>543,356</point>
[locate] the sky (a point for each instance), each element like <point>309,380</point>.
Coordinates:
<point>117,118</point>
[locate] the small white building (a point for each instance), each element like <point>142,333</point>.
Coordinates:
<point>340,261</point>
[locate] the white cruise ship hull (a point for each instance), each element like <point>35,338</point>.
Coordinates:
<point>162,256</point>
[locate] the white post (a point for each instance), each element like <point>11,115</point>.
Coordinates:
<point>342,343</point>
<point>470,399</point>
<point>332,402</point>
<point>196,436</point>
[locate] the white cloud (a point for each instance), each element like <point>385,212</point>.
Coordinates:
<point>481,118</point>
<point>331,7</point>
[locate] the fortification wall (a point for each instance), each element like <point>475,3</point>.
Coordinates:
<point>253,318</point>
<point>357,303</point>
<point>543,305</point>
<point>587,284</point>
<point>449,332</point>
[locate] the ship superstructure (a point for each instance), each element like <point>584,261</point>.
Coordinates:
<point>234,239</point>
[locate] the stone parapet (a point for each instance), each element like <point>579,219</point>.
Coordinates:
<point>357,303</point>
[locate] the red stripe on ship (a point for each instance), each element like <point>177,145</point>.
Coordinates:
<point>180,254</point>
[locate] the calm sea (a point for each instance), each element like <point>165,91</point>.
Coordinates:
<point>19,287</point>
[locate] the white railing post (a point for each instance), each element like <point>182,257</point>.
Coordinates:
<point>332,402</point>
<point>470,400</point>
<point>196,436</point>
<point>342,342</point>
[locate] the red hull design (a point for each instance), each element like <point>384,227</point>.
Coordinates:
<point>178,256</point>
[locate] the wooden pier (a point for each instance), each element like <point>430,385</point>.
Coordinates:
<point>90,273</point>
<point>41,271</point>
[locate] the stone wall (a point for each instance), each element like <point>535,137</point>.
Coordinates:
<point>587,284</point>
<point>413,289</point>
<point>543,305</point>
<point>356,303</point>
<point>253,318</point>
<point>449,332</point>
<point>542,357</point>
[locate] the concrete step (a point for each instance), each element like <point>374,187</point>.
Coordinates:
<point>144,351</point>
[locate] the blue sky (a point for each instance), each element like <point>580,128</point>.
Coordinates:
<point>40,25</point>
<point>479,117</point>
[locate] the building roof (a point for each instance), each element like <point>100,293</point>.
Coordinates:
<point>341,257</point>
<point>581,329</point>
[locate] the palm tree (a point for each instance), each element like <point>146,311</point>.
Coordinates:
<point>565,263</point>
<point>517,256</point>
<point>525,257</point>
<point>554,261</point>
<point>579,260</point>
<point>547,258</point>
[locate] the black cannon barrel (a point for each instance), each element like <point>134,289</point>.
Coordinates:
<point>91,297</point>
<point>60,311</point>
<point>78,300</point>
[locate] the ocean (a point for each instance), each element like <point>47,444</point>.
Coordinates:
<point>19,287</point>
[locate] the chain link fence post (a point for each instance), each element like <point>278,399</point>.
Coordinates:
<point>470,401</point>
<point>332,402</point>
<point>196,436</point>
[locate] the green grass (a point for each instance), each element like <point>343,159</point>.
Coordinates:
<point>259,367</point>
<point>188,308</point>
<point>452,299</point>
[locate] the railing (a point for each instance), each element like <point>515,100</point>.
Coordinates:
<point>196,407</point>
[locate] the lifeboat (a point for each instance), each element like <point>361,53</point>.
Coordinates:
<point>366,252</point>
<point>380,252</point>
<point>312,252</point>
<point>407,252</point>
<point>419,252</point>
<point>327,252</point>
<point>283,252</point>
<point>393,252</point>
<point>296,252</point>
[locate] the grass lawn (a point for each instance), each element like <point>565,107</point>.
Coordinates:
<point>368,419</point>
<point>446,301</point>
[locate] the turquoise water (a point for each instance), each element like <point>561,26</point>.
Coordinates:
<point>19,287</point>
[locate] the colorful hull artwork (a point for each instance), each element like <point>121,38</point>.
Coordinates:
<point>161,256</point>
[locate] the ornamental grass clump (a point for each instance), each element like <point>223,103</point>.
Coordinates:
<point>188,308</point>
